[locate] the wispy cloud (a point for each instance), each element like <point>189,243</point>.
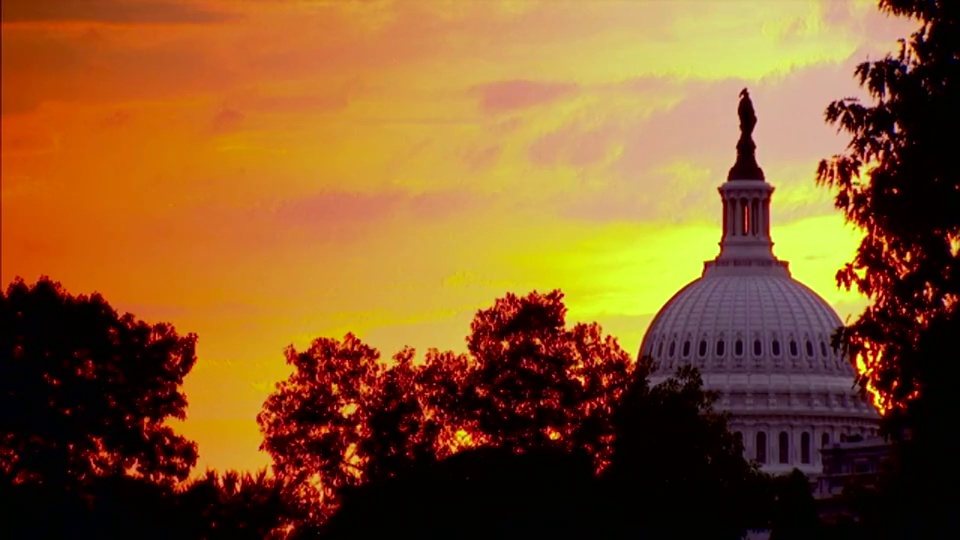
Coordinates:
<point>507,96</point>
<point>113,12</point>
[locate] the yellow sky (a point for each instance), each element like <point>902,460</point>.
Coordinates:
<point>264,173</point>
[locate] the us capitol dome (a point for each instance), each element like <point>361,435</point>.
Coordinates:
<point>760,338</point>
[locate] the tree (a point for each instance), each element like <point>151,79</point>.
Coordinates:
<point>908,263</point>
<point>234,506</point>
<point>345,418</point>
<point>488,492</point>
<point>673,451</point>
<point>85,392</point>
<point>342,418</point>
<point>677,472</point>
<point>537,383</point>
<point>794,509</point>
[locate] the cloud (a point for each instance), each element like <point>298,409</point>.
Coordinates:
<point>572,145</point>
<point>668,163</point>
<point>505,96</point>
<point>111,12</point>
<point>102,65</point>
<point>117,118</point>
<point>343,215</point>
<point>226,120</point>
<point>480,159</point>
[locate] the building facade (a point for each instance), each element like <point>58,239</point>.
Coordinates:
<point>759,337</point>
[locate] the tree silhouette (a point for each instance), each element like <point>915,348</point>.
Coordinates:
<point>235,506</point>
<point>794,509</point>
<point>538,384</point>
<point>488,492</point>
<point>673,452</point>
<point>86,392</point>
<point>677,473</point>
<point>345,418</point>
<point>908,263</point>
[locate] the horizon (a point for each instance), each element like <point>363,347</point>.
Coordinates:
<point>388,169</point>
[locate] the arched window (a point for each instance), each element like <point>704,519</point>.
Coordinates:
<point>757,347</point>
<point>720,347</point>
<point>823,348</point>
<point>784,447</point>
<point>761,447</point>
<point>703,347</point>
<point>673,348</point>
<point>825,440</point>
<point>660,349</point>
<point>738,347</point>
<point>686,348</point>
<point>809,348</point>
<point>804,447</point>
<point>746,218</point>
<point>776,348</point>
<point>794,350</point>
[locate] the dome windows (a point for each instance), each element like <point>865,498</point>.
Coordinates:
<point>660,349</point>
<point>776,347</point>
<point>809,348</point>
<point>686,348</point>
<point>703,348</point>
<point>784,447</point>
<point>673,348</point>
<point>794,350</point>
<point>761,448</point>
<point>721,346</point>
<point>757,347</point>
<point>738,348</point>
<point>823,348</point>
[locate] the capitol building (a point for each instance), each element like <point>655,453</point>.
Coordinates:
<point>760,338</point>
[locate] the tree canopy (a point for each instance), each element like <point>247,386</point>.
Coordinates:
<point>86,392</point>
<point>345,417</point>
<point>899,181</point>
<point>359,433</point>
<point>672,443</point>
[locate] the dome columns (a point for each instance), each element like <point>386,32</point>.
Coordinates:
<point>746,218</point>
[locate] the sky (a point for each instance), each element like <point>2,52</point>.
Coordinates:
<point>263,173</point>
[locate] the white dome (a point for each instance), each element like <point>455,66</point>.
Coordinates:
<point>760,338</point>
<point>747,324</point>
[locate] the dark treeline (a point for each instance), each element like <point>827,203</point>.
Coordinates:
<point>540,429</point>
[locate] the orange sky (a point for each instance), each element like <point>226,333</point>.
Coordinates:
<point>263,173</point>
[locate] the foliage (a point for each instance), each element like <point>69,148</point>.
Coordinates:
<point>908,263</point>
<point>670,442</point>
<point>488,492</point>
<point>345,418</point>
<point>536,383</point>
<point>703,486</point>
<point>235,506</point>
<point>86,392</point>
<point>794,509</point>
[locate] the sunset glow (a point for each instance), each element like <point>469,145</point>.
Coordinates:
<point>875,397</point>
<point>265,173</point>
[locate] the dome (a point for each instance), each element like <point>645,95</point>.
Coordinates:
<point>760,338</point>
<point>747,324</point>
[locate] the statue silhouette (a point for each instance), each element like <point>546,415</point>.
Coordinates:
<point>748,119</point>
<point>746,167</point>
